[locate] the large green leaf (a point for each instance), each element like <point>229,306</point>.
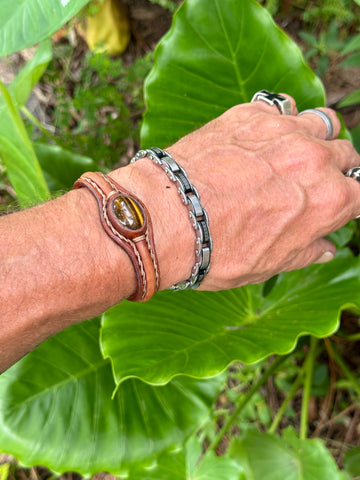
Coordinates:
<point>62,167</point>
<point>17,154</point>
<point>200,333</point>
<point>190,464</point>
<point>26,22</point>
<point>217,54</point>
<point>56,409</point>
<point>352,99</point>
<point>30,74</point>
<point>352,461</point>
<point>269,457</point>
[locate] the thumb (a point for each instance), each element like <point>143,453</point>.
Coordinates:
<point>320,251</point>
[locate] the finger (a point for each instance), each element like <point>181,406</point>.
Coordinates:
<point>242,112</point>
<point>294,109</point>
<point>320,251</point>
<point>354,198</point>
<point>273,105</point>
<point>317,125</point>
<point>344,154</point>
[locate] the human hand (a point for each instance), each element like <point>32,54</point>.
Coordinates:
<point>273,188</point>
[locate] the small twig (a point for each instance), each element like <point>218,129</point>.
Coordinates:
<point>344,412</point>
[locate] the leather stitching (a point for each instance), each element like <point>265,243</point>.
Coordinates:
<point>116,233</point>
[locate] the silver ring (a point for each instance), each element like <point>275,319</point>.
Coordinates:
<point>282,103</point>
<point>324,117</point>
<point>354,173</point>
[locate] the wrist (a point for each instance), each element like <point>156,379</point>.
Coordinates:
<point>174,237</point>
<point>105,272</point>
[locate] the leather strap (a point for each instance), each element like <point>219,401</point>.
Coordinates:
<point>126,220</point>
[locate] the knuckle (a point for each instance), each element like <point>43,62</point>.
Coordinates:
<point>304,154</point>
<point>318,155</point>
<point>342,199</point>
<point>234,113</point>
<point>337,200</point>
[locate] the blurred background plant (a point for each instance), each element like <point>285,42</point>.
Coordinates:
<point>329,35</point>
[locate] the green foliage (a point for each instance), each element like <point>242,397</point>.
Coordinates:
<point>61,167</point>
<point>352,461</point>
<point>170,5</point>
<point>56,409</point>
<point>185,465</point>
<point>17,153</point>
<point>25,22</point>
<point>324,27</point>
<point>4,471</point>
<point>200,72</point>
<point>355,132</point>
<point>272,6</point>
<point>200,333</point>
<point>328,45</point>
<point>274,458</point>
<point>315,14</point>
<point>351,99</point>
<point>21,87</point>
<point>339,10</point>
<point>96,105</point>
<point>323,46</point>
<point>60,406</point>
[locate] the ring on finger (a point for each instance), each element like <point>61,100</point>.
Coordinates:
<point>324,117</point>
<point>354,173</point>
<point>282,103</point>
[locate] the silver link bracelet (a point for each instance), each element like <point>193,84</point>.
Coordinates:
<point>198,216</point>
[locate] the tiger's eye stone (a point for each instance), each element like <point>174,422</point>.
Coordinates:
<point>128,212</point>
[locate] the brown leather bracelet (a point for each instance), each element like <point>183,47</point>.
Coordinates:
<point>126,220</point>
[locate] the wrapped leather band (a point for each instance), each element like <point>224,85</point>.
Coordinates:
<point>127,222</point>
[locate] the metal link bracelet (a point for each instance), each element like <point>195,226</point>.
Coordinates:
<point>199,218</point>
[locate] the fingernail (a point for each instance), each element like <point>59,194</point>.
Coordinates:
<point>325,257</point>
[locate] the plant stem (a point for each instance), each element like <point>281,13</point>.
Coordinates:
<point>309,371</point>
<point>349,375</point>
<point>353,338</point>
<point>290,396</point>
<point>36,122</point>
<point>255,387</point>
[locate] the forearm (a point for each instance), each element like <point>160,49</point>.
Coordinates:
<point>59,267</point>
<point>262,188</point>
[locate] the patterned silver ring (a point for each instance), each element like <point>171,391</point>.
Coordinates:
<point>354,173</point>
<point>324,117</point>
<point>282,103</point>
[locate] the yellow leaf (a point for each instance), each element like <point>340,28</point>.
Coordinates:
<point>4,471</point>
<point>108,30</point>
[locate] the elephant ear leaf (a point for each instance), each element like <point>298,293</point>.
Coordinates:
<point>26,22</point>
<point>200,333</point>
<point>57,410</point>
<point>296,459</point>
<point>209,62</point>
